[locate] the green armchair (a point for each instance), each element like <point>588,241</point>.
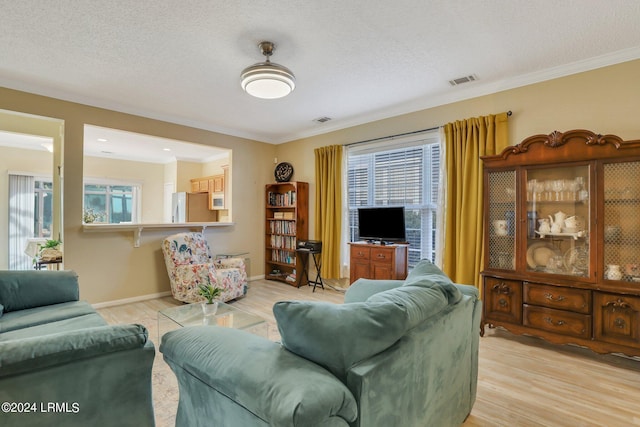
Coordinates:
<point>396,353</point>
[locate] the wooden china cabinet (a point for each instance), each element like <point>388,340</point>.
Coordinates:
<point>562,240</point>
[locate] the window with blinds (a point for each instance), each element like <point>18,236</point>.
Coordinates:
<point>403,173</point>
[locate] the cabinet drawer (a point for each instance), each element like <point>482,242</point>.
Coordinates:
<point>360,252</point>
<point>578,300</point>
<point>503,300</point>
<point>558,321</point>
<point>617,319</point>
<point>382,256</point>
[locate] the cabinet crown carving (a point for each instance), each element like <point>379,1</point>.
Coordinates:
<point>557,139</point>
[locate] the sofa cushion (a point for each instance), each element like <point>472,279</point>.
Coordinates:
<point>337,336</point>
<point>425,268</point>
<point>257,374</point>
<point>426,274</point>
<point>362,289</point>
<point>420,303</point>
<point>43,315</point>
<point>30,354</point>
<point>20,289</point>
<point>91,320</point>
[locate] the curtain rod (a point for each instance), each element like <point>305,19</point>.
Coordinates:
<point>509,113</point>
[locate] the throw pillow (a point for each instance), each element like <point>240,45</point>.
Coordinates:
<point>420,303</point>
<point>426,274</point>
<point>425,268</point>
<point>337,336</point>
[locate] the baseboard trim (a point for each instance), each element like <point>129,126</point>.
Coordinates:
<point>130,300</point>
<point>150,296</point>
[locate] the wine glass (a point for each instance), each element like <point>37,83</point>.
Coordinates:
<point>530,186</point>
<point>573,186</point>
<point>548,188</point>
<point>558,187</point>
<point>538,189</point>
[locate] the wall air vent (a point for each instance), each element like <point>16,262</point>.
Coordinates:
<point>465,79</point>
<point>322,119</point>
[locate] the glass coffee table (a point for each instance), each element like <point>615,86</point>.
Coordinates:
<point>226,316</point>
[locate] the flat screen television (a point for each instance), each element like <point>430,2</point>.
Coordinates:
<point>385,224</point>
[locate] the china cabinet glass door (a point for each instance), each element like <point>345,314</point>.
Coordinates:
<point>621,230</point>
<point>558,220</point>
<point>502,225</point>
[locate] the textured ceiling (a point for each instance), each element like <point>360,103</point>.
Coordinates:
<point>355,61</point>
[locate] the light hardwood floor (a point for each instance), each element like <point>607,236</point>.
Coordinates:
<point>522,381</point>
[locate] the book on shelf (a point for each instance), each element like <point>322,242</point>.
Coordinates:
<point>282,227</point>
<point>291,277</point>
<point>282,199</point>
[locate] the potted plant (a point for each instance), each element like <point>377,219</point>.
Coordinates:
<point>90,216</point>
<point>210,293</point>
<point>50,250</point>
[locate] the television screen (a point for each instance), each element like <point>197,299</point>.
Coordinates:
<point>383,224</point>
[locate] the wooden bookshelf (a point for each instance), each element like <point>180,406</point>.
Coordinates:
<point>286,223</point>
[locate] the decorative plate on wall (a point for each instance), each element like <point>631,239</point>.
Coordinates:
<point>283,172</point>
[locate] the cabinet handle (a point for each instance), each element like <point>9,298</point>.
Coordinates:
<point>360,253</point>
<point>550,321</point>
<point>380,256</point>
<point>502,302</point>
<point>550,297</point>
<point>619,303</point>
<point>501,288</point>
<point>620,323</point>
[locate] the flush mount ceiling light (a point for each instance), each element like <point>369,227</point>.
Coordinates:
<point>267,80</point>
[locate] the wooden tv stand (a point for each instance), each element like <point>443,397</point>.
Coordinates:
<point>380,262</point>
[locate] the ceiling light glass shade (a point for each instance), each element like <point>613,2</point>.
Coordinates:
<point>267,80</point>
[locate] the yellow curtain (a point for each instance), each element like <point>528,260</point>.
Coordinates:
<point>465,141</point>
<point>328,210</point>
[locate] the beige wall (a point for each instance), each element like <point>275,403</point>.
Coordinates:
<point>149,175</point>
<point>603,100</point>
<point>40,163</point>
<point>110,268</point>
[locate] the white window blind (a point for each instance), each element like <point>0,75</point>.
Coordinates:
<point>398,173</point>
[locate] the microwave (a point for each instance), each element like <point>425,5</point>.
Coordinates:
<point>216,201</point>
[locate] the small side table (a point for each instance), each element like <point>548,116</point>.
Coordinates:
<point>304,254</point>
<point>39,264</point>
<point>231,255</point>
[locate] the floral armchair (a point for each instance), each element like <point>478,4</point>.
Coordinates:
<point>189,264</point>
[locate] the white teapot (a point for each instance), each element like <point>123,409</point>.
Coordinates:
<point>545,226</point>
<point>558,222</point>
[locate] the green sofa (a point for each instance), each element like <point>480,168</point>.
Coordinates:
<point>61,364</point>
<point>396,353</point>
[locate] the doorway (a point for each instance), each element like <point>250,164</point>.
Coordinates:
<point>30,186</point>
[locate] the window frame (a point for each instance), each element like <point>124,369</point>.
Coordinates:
<point>136,196</point>
<point>428,204</point>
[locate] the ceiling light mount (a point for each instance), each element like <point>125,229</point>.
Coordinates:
<point>267,80</point>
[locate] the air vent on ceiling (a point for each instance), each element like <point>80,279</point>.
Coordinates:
<point>465,79</point>
<point>322,119</point>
